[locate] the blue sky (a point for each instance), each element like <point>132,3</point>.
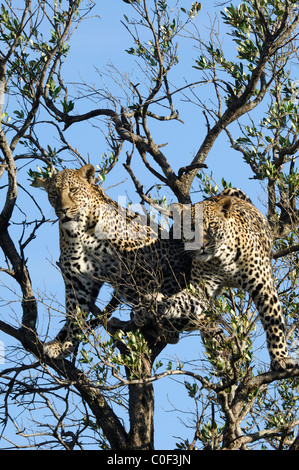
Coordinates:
<point>97,42</point>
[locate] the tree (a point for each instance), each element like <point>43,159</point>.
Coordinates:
<point>239,404</point>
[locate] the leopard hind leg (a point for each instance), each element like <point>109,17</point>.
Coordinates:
<point>269,307</point>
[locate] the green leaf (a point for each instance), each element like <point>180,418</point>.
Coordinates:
<point>19,114</point>
<point>67,106</point>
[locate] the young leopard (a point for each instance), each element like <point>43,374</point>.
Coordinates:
<point>102,242</point>
<point>235,251</point>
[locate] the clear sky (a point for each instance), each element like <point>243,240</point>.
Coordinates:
<point>99,41</point>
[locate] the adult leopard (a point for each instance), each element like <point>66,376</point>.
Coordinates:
<point>236,251</point>
<point>101,242</point>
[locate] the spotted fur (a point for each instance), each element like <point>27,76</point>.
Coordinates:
<point>150,272</point>
<point>103,243</point>
<point>236,251</point>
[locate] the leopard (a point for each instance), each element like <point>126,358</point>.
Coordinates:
<point>235,251</point>
<point>102,242</point>
<point>152,271</point>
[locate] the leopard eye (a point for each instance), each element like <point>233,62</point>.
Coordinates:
<point>73,189</point>
<point>211,228</point>
<point>53,193</point>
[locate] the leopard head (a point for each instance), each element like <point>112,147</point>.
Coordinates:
<point>215,227</point>
<point>70,193</point>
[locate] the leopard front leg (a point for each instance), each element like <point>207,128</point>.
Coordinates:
<point>80,295</point>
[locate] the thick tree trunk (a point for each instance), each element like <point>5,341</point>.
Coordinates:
<point>141,412</point>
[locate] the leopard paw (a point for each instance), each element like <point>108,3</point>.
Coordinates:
<point>284,363</point>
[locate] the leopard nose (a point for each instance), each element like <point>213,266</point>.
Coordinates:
<point>64,210</point>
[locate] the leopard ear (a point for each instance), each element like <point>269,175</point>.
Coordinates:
<point>224,205</point>
<point>87,172</point>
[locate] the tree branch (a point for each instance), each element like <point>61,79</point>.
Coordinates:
<point>285,251</point>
